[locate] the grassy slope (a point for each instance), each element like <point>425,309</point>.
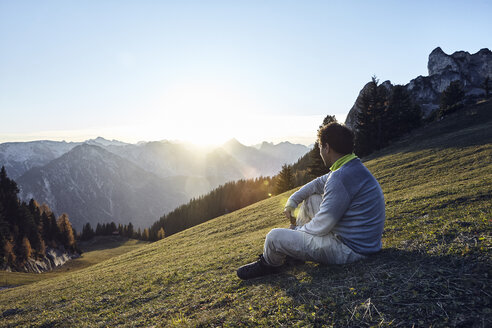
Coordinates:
<point>434,269</point>
<point>95,251</point>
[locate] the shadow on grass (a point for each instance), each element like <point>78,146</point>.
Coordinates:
<point>394,287</point>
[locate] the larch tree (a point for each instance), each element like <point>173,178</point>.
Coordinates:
<point>66,232</point>
<point>24,251</point>
<point>161,234</point>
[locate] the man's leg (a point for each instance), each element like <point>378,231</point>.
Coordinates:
<point>280,243</point>
<point>308,209</point>
<point>275,251</point>
<point>328,249</point>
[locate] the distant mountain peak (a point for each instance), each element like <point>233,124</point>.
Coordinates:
<point>232,143</point>
<point>105,142</point>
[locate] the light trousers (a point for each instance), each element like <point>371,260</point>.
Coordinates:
<point>328,249</point>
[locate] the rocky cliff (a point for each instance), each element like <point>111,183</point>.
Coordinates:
<point>470,69</point>
<point>54,257</point>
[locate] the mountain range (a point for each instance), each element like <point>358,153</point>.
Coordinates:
<point>102,180</point>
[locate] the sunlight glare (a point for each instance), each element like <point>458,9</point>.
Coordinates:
<point>203,113</point>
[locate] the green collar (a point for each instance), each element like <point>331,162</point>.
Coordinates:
<point>342,161</point>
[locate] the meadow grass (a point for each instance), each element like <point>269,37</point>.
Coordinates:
<point>96,250</point>
<point>434,269</point>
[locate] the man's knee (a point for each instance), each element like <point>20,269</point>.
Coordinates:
<point>313,203</point>
<point>309,208</point>
<point>275,235</point>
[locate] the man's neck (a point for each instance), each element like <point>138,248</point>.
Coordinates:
<point>335,157</point>
<point>342,161</point>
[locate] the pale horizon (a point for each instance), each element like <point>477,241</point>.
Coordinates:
<point>304,134</point>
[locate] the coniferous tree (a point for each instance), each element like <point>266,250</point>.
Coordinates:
<point>87,232</point>
<point>54,231</point>
<point>24,250</point>
<point>42,248</point>
<point>98,230</point>
<point>486,87</point>
<point>146,234</point>
<point>112,228</point>
<point>451,98</point>
<point>37,243</point>
<point>8,250</point>
<point>45,223</point>
<point>130,233</point>
<point>285,179</point>
<point>160,233</point>
<point>403,115</point>
<point>8,196</point>
<point>370,131</point>
<point>317,167</point>
<point>4,230</point>
<point>35,211</point>
<point>66,232</point>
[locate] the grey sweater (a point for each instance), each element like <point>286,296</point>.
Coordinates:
<point>352,207</point>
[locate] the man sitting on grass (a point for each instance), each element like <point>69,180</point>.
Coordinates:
<point>348,218</point>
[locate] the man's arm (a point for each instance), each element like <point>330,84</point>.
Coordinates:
<point>335,203</point>
<point>314,187</point>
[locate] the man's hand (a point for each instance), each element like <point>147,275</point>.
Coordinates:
<point>288,215</point>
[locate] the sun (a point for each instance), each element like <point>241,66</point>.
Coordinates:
<point>203,113</point>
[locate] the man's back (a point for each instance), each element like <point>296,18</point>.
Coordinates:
<point>361,226</point>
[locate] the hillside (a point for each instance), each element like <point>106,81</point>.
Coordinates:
<point>434,269</point>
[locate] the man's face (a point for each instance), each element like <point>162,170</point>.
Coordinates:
<point>323,151</point>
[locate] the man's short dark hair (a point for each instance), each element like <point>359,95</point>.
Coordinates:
<point>338,136</point>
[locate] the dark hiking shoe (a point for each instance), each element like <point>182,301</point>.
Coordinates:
<point>291,261</point>
<point>256,269</point>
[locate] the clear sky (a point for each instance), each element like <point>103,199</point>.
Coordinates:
<point>206,71</point>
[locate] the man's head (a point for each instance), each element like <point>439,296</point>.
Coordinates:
<point>335,140</point>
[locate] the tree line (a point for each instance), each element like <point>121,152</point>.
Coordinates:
<point>385,115</point>
<point>28,229</point>
<point>224,199</point>
<point>124,230</point>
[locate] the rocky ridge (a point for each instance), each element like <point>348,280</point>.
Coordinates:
<point>470,69</point>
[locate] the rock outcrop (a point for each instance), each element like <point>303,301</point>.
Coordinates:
<point>470,69</point>
<point>53,258</point>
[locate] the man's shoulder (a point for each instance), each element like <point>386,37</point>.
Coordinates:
<point>350,167</point>
<point>354,172</point>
